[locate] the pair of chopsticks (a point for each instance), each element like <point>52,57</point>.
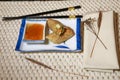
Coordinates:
<point>47,12</point>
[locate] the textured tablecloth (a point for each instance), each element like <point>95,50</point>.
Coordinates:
<point>14,66</point>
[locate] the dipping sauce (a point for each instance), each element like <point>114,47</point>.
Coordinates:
<point>34,31</point>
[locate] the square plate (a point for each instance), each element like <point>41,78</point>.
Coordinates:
<point>71,45</point>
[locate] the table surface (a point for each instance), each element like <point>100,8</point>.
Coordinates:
<point>14,66</point>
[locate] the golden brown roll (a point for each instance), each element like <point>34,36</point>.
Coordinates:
<point>56,26</point>
<point>57,39</point>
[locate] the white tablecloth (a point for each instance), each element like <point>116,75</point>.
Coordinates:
<point>13,65</point>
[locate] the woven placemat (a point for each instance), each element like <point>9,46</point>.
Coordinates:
<point>14,66</point>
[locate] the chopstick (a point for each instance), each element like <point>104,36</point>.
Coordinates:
<point>71,16</point>
<point>42,13</point>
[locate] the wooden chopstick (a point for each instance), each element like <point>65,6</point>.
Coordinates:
<point>42,13</point>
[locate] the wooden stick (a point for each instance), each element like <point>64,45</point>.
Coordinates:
<point>45,66</point>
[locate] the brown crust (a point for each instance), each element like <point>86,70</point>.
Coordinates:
<point>59,39</point>
<point>52,24</point>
